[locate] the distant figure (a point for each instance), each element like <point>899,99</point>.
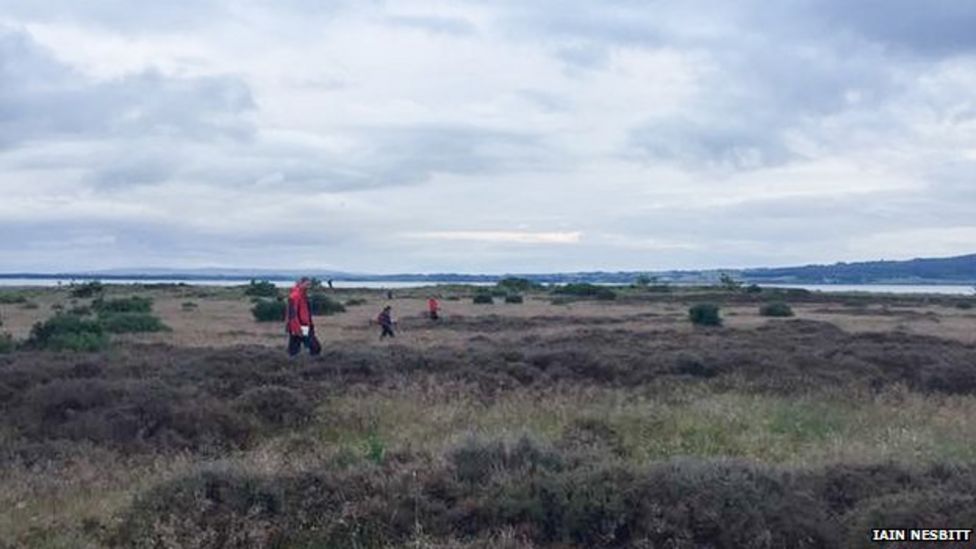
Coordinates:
<point>389,294</point>
<point>299,325</point>
<point>330,284</point>
<point>386,322</point>
<point>432,308</point>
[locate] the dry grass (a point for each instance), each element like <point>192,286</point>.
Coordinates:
<point>371,417</point>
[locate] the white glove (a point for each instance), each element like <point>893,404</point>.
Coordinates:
<point>305,330</point>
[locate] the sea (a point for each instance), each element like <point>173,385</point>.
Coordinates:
<point>938,289</point>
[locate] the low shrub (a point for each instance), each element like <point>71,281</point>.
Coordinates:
<point>514,298</point>
<point>7,344</point>
<point>323,305</point>
<point>267,310</point>
<point>134,304</point>
<point>68,332</point>
<point>516,284</point>
<point>581,289</point>
<point>12,298</point>
<point>88,289</point>
<point>605,294</point>
<point>705,314</point>
<point>189,306</point>
<point>80,310</point>
<point>965,305</point>
<point>355,302</point>
<point>659,288</point>
<point>483,299</point>
<point>776,308</point>
<point>29,305</point>
<point>127,323</point>
<point>753,289</point>
<point>261,288</point>
<point>275,405</point>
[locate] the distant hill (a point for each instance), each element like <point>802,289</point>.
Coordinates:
<point>960,269</point>
<point>948,270</point>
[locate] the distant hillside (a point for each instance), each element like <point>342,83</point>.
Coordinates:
<point>960,269</point>
<point>949,270</point>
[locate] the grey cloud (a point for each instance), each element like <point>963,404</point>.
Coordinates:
<point>43,99</point>
<point>383,157</point>
<point>446,25</point>
<point>713,145</point>
<point>933,27</point>
<point>119,14</point>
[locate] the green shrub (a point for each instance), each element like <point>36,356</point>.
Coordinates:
<point>128,323</point>
<point>514,298</point>
<point>189,306</point>
<point>80,310</point>
<point>6,343</point>
<point>483,299</point>
<point>753,289</point>
<point>659,288</point>
<point>68,332</point>
<point>261,288</point>
<point>323,305</point>
<point>88,289</point>
<point>516,284</point>
<point>267,310</point>
<point>704,314</point>
<point>605,294</point>
<point>12,298</point>
<point>355,302</point>
<point>965,305</point>
<point>275,405</point>
<point>776,308</point>
<point>581,289</point>
<point>134,304</point>
<point>30,305</point>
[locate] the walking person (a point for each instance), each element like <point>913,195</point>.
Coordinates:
<point>299,324</point>
<point>386,322</point>
<point>433,308</point>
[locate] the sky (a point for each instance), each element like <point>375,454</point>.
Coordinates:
<point>496,136</point>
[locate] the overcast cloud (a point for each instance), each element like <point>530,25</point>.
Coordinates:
<point>475,136</point>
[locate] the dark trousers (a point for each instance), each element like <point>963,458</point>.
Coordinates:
<point>434,315</point>
<point>387,331</point>
<point>311,342</point>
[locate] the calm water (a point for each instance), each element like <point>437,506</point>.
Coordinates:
<point>371,284</point>
<point>943,289</point>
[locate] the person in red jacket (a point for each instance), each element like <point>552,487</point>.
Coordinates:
<point>433,308</point>
<point>299,324</point>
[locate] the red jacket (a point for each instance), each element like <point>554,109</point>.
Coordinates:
<point>432,305</point>
<point>299,312</point>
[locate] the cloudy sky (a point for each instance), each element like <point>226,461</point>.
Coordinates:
<point>496,136</point>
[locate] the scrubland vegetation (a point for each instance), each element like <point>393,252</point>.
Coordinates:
<point>591,424</point>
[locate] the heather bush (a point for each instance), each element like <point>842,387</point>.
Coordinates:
<point>262,288</point>
<point>12,298</point>
<point>134,304</point>
<point>68,332</point>
<point>7,344</point>
<point>275,405</point>
<point>483,299</point>
<point>518,285</point>
<point>705,314</point>
<point>88,289</point>
<point>125,323</point>
<point>323,305</point>
<point>514,298</point>
<point>267,310</point>
<point>776,309</point>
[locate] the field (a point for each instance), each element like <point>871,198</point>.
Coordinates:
<point>562,421</point>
